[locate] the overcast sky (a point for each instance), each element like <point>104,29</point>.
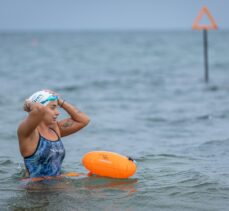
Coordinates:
<point>107,14</point>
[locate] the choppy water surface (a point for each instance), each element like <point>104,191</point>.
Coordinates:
<point>146,98</point>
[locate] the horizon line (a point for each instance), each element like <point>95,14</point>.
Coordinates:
<point>106,30</point>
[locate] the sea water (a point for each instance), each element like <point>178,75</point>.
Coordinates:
<point>145,94</point>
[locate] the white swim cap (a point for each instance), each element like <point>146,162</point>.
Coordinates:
<point>43,97</point>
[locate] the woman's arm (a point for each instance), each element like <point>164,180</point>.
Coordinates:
<point>36,113</point>
<point>77,119</point>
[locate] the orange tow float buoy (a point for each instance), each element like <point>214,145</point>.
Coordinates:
<point>109,164</point>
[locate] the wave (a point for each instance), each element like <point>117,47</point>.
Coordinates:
<point>68,88</point>
<point>163,156</point>
<point>215,144</point>
<point>6,162</point>
<point>187,120</point>
<point>215,149</point>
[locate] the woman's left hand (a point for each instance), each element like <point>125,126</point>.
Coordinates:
<point>60,99</point>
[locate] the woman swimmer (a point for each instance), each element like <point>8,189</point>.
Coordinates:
<point>40,133</point>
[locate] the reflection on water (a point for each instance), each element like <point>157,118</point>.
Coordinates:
<point>68,193</point>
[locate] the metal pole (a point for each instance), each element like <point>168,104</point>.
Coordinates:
<point>205,39</point>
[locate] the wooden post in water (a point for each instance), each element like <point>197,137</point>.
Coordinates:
<point>205,28</point>
<point>205,39</point>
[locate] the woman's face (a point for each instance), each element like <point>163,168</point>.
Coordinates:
<point>51,113</point>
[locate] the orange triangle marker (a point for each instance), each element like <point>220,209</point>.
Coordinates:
<point>204,11</point>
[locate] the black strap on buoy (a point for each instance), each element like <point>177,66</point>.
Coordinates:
<point>129,158</point>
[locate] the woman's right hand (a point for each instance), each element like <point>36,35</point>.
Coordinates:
<point>27,105</point>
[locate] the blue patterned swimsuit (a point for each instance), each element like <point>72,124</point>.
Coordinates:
<point>47,158</point>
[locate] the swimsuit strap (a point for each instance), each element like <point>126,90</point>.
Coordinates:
<point>55,132</point>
